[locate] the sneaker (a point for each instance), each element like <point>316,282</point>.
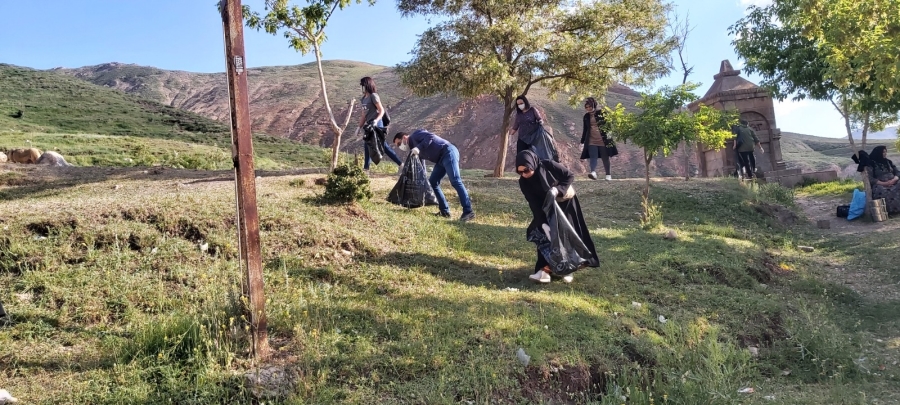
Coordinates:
<point>442,214</point>
<point>467,217</point>
<point>608,177</point>
<point>593,175</point>
<point>540,277</point>
<point>568,279</point>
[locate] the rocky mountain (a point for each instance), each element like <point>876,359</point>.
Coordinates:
<point>286,101</point>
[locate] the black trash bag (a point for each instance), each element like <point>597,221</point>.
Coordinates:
<point>373,136</point>
<point>543,145</point>
<point>412,189</point>
<point>564,251</point>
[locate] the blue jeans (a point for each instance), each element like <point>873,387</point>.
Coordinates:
<point>448,165</point>
<point>388,150</point>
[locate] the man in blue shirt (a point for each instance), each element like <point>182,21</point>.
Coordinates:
<point>445,156</point>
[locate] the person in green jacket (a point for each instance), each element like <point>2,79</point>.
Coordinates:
<point>743,145</point>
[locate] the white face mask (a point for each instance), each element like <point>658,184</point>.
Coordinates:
<point>521,106</point>
<point>404,147</point>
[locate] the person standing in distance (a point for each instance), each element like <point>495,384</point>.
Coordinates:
<point>528,120</point>
<point>373,111</point>
<point>744,144</point>
<point>595,140</point>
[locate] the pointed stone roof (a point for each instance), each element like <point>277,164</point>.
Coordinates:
<point>728,79</point>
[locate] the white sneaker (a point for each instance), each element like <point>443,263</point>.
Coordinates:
<point>608,177</point>
<point>593,175</point>
<point>540,277</point>
<point>568,279</point>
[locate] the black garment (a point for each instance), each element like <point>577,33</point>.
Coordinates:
<point>748,162</point>
<point>548,173</point>
<point>521,145</point>
<point>611,149</point>
<point>883,169</point>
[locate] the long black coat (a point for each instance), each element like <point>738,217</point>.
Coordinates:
<point>611,149</point>
<point>552,174</point>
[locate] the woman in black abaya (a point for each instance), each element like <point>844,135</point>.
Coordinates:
<point>537,178</point>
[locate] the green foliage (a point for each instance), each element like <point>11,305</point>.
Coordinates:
<point>776,193</point>
<point>346,184</point>
<point>827,50</point>
<point>651,214</point>
<point>303,27</point>
<point>663,123</point>
<point>505,47</point>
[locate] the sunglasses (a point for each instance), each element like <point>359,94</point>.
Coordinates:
<point>521,172</point>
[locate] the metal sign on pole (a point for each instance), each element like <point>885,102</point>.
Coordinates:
<point>245,178</point>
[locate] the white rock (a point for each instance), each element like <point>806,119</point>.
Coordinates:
<point>204,247</point>
<point>3,158</point>
<point>754,351</point>
<point>636,305</point>
<point>7,398</point>
<point>53,159</point>
<point>523,358</point>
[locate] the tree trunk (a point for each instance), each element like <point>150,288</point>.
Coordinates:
<point>844,109</point>
<point>865,130</point>
<point>647,158</point>
<point>687,160</point>
<point>335,128</point>
<point>509,101</point>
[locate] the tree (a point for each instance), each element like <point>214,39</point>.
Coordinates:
<point>681,30</point>
<point>505,47</point>
<point>836,50</point>
<point>807,56</point>
<point>304,29</point>
<point>663,123</point>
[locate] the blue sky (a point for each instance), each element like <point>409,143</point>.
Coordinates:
<point>187,35</point>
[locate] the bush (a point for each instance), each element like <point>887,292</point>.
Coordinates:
<point>776,193</point>
<point>345,185</point>
<point>651,215</point>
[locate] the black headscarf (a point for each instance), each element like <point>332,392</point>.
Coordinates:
<point>532,162</point>
<point>877,155</point>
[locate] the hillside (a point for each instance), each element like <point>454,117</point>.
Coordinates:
<point>113,298</point>
<point>814,153</point>
<point>93,125</point>
<point>286,101</point>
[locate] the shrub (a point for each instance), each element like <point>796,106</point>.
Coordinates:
<point>774,192</point>
<point>651,215</point>
<point>345,185</point>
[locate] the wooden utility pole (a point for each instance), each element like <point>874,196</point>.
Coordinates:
<point>254,300</point>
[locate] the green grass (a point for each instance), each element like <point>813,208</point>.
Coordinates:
<point>837,188</point>
<point>92,125</point>
<point>112,300</point>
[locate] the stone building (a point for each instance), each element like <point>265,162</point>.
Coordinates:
<point>755,104</point>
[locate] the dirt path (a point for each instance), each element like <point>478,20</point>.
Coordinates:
<point>824,208</point>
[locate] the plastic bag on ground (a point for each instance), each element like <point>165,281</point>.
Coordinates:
<point>564,251</point>
<point>412,189</point>
<point>857,205</point>
<point>543,145</point>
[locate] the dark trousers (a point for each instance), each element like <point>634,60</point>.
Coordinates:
<point>541,261</point>
<point>748,163</point>
<point>594,152</point>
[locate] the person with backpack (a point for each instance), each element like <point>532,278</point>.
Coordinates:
<point>445,156</point>
<point>744,143</point>
<point>595,140</point>
<point>528,121</point>
<point>537,178</point>
<point>373,114</point>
